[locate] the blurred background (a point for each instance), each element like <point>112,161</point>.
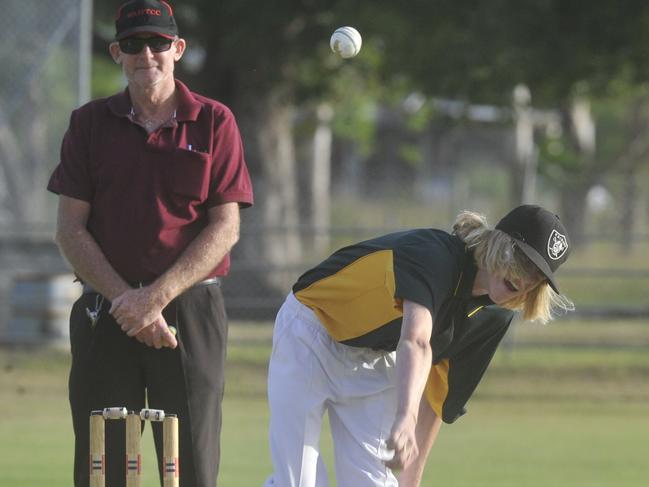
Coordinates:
<point>450,105</point>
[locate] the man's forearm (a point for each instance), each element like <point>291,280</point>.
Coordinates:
<point>89,262</point>
<point>204,253</point>
<point>138,308</point>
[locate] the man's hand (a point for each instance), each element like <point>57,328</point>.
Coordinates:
<point>403,442</point>
<point>136,309</point>
<point>157,335</point>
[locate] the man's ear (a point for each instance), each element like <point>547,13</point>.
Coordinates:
<point>180,46</point>
<point>115,53</point>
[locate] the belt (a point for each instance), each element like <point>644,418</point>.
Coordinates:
<point>87,289</point>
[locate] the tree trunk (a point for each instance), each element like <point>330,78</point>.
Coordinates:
<point>630,162</point>
<point>581,127</point>
<point>274,241</point>
<point>320,180</point>
<point>525,147</point>
<point>627,219</point>
<point>573,209</point>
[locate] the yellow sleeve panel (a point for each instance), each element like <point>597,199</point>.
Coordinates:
<point>436,389</point>
<point>357,299</point>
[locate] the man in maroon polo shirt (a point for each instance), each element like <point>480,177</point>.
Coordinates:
<point>150,182</point>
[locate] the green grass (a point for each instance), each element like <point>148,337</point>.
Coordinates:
<point>541,443</point>
<point>566,406</point>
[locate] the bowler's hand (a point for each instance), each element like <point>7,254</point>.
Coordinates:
<point>403,442</point>
<point>135,309</point>
<point>157,335</point>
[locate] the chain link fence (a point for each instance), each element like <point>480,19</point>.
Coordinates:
<point>40,83</point>
<point>44,54</point>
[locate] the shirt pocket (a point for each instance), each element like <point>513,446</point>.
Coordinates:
<point>188,174</point>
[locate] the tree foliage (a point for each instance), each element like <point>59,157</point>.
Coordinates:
<point>464,49</point>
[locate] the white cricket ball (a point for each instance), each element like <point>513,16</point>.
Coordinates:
<point>346,42</point>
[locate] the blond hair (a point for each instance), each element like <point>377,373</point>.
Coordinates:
<point>496,252</point>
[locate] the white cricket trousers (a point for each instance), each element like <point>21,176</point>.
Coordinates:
<point>310,373</point>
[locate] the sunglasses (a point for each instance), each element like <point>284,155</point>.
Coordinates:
<point>134,45</point>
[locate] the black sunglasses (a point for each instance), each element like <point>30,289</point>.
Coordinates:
<point>134,45</point>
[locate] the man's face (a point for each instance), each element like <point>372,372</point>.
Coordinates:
<point>147,59</point>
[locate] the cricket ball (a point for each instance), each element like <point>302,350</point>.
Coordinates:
<point>346,42</point>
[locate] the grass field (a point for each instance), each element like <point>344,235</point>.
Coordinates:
<point>563,405</point>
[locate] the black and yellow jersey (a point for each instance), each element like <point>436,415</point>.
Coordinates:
<point>357,294</point>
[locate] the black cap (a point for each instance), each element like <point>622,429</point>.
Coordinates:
<point>540,235</point>
<point>150,16</point>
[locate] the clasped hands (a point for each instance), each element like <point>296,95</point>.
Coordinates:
<point>139,315</point>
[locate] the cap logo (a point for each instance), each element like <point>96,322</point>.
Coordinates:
<point>557,245</point>
<point>145,11</point>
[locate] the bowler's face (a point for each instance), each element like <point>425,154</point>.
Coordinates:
<point>501,289</point>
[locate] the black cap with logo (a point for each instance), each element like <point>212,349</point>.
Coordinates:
<point>540,235</point>
<point>145,16</point>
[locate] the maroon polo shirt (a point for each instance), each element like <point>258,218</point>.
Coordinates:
<point>149,193</point>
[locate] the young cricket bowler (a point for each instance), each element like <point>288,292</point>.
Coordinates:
<point>391,337</point>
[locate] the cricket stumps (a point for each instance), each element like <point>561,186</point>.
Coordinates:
<point>170,462</point>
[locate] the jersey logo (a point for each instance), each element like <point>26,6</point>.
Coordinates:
<point>557,245</point>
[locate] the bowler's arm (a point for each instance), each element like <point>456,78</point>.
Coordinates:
<point>413,362</point>
<point>428,426</point>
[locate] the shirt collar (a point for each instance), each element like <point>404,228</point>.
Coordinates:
<point>187,111</point>
<point>465,284</point>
